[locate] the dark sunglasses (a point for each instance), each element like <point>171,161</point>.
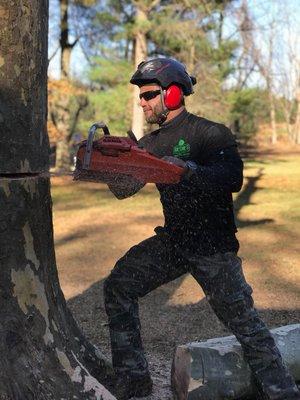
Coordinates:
<point>151,94</point>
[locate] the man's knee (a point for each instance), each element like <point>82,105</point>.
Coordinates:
<point>113,282</point>
<point>112,298</point>
<point>113,290</point>
<point>235,305</point>
<point>108,289</point>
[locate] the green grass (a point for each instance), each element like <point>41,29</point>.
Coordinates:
<point>278,191</point>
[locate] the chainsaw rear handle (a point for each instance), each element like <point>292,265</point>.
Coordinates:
<point>89,143</point>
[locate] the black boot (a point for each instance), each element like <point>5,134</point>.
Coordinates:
<point>128,386</point>
<point>275,383</point>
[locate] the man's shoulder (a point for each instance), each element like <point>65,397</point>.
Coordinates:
<point>200,120</point>
<point>144,140</point>
<point>211,136</point>
<point>206,124</point>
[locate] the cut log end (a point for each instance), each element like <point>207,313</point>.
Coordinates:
<point>181,373</point>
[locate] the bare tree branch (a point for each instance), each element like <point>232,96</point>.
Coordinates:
<point>53,54</point>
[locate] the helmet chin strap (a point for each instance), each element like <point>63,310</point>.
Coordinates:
<point>163,115</point>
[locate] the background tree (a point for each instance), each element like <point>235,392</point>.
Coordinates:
<point>65,45</point>
<point>110,96</point>
<point>287,62</point>
<point>248,109</point>
<point>260,43</point>
<point>140,52</point>
<point>228,45</point>
<point>73,20</point>
<point>185,30</point>
<point>127,24</point>
<point>67,100</point>
<point>43,352</point>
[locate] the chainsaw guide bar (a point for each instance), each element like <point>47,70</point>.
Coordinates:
<point>110,158</point>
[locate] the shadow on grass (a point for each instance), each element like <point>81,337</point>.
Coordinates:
<point>251,161</point>
<point>244,198</point>
<point>252,151</point>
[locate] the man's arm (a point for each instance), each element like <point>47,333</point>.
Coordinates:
<point>223,169</point>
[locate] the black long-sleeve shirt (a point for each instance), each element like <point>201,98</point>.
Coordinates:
<point>199,211</point>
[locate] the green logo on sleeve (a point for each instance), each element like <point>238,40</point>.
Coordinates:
<point>181,149</point>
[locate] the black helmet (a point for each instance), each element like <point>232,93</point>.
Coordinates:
<point>165,72</point>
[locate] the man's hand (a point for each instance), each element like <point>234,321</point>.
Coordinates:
<point>189,167</point>
<point>175,160</point>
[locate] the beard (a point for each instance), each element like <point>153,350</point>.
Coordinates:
<point>156,116</point>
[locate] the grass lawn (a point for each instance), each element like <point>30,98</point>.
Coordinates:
<point>93,229</point>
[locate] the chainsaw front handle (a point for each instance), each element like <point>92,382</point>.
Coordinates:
<point>89,143</point>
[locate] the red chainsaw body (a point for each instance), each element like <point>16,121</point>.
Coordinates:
<point>121,155</point>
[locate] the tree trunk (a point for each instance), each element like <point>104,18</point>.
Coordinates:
<point>43,352</point>
<point>297,121</point>
<point>63,156</point>
<point>287,115</point>
<point>140,54</point>
<point>192,57</point>
<point>65,45</point>
<point>272,118</point>
<point>215,369</point>
<point>44,355</point>
<point>24,144</point>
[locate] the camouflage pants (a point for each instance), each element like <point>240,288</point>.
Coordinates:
<point>156,261</point>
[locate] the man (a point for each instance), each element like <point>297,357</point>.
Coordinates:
<point>198,237</point>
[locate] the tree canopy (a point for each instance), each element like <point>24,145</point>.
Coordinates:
<point>221,43</point>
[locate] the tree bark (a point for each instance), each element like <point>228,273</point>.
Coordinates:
<point>24,144</point>
<point>44,354</point>
<point>215,369</point>
<point>140,54</point>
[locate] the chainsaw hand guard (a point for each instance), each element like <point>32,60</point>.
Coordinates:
<point>89,143</point>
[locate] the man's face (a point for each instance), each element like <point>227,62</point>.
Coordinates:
<point>152,107</point>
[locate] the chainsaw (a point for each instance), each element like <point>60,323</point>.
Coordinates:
<point>110,158</point>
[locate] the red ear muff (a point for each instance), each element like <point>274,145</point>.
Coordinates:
<point>173,97</point>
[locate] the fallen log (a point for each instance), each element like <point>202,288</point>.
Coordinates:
<point>215,369</point>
